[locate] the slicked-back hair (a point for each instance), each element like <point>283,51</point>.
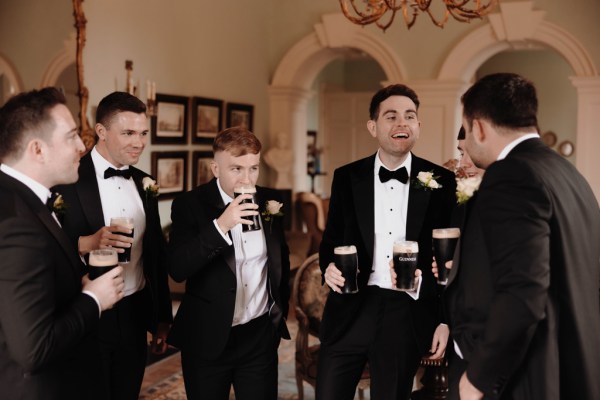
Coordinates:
<point>389,91</point>
<point>506,100</point>
<point>26,115</point>
<point>238,141</point>
<point>115,103</point>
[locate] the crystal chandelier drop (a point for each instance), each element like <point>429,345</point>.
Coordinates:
<point>371,11</point>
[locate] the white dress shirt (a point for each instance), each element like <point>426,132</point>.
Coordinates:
<point>120,198</point>
<point>391,208</point>
<point>250,248</point>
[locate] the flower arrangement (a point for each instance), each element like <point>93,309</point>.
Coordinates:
<point>150,187</point>
<point>427,181</point>
<point>272,209</point>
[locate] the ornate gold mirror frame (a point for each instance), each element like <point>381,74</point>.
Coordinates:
<point>87,133</point>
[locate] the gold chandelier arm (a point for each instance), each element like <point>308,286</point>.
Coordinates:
<point>363,18</point>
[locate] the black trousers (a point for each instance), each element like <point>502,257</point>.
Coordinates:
<point>122,348</point>
<point>382,335</point>
<point>456,367</point>
<point>249,363</point>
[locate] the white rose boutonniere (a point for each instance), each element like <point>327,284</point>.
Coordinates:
<point>466,187</point>
<point>150,187</point>
<point>427,181</point>
<point>272,209</point>
<point>59,207</point>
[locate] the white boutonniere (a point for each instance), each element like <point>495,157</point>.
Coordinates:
<point>150,187</point>
<point>59,206</point>
<point>427,181</point>
<point>272,209</point>
<point>466,187</point>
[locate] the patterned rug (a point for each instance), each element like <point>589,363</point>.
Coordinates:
<point>172,388</point>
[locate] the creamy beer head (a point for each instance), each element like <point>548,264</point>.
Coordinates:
<point>103,258</point>
<point>446,233</point>
<point>126,222</point>
<point>244,189</point>
<point>344,250</point>
<point>406,247</point>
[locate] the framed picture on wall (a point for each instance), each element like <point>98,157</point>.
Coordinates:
<point>170,170</point>
<point>240,115</point>
<point>201,172</point>
<point>169,126</point>
<point>207,119</point>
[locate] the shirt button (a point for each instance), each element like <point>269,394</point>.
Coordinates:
<point>391,209</point>
<point>392,188</point>
<point>388,256</point>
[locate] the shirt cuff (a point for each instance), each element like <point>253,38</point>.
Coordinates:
<point>224,235</point>
<point>93,296</point>
<point>415,293</point>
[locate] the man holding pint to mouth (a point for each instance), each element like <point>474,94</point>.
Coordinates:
<point>232,316</point>
<point>387,197</point>
<point>109,187</point>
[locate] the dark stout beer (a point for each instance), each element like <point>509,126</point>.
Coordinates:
<point>406,254</point>
<point>125,222</point>
<point>444,243</point>
<point>101,261</point>
<point>251,190</point>
<point>346,260</point>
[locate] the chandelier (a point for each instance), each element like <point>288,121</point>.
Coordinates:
<point>371,11</point>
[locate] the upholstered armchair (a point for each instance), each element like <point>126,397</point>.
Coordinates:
<point>309,297</point>
<point>314,216</point>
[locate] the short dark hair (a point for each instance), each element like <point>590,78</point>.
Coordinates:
<point>238,141</point>
<point>506,100</point>
<point>389,91</point>
<point>26,114</point>
<point>115,103</point>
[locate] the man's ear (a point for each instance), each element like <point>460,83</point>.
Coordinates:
<point>480,131</point>
<point>371,126</point>
<point>100,131</point>
<point>214,167</point>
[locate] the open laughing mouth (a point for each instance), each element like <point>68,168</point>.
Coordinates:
<point>400,135</point>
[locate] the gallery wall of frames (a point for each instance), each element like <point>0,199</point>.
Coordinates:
<point>192,122</point>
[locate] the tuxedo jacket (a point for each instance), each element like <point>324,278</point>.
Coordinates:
<point>523,292</point>
<point>351,221</point>
<point>84,216</point>
<point>45,320</point>
<point>199,254</point>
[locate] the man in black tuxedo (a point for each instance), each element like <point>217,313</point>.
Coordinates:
<point>388,329</point>
<point>46,316</point>
<point>109,186</point>
<point>232,316</point>
<point>522,296</point>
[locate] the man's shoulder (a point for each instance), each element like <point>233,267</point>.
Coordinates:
<point>362,164</point>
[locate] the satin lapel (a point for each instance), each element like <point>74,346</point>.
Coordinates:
<point>272,239</point>
<point>215,201</point>
<point>418,201</point>
<point>41,212</point>
<point>89,194</point>
<point>137,177</point>
<point>362,183</point>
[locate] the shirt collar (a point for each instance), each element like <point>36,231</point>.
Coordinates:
<point>514,144</point>
<point>101,164</point>
<point>37,188</point>
<point>407,163</point>
<point>224,196</point>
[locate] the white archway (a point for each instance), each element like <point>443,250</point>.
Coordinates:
<point>518,26</point>
<point>63,59</point>
<point>290,88</point>
<point>10,72</point>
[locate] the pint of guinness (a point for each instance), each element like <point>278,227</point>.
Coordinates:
<point>101,261</point>
<point>251,190</point>
<point>406,255</point>
<point>444,243</point>
<point>125,222</point>
<point>346,260</point>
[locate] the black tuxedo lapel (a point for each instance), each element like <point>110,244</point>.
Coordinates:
<point>418,201</point>
<point>215,202</point>
<point>45,217</point>
<point>89,194</point>
<point>272,241</point>
<point>363,188</point>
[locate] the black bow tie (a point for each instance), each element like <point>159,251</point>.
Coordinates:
<point>123,173</point>
<point>400,175</point>
<point>50,202</point>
